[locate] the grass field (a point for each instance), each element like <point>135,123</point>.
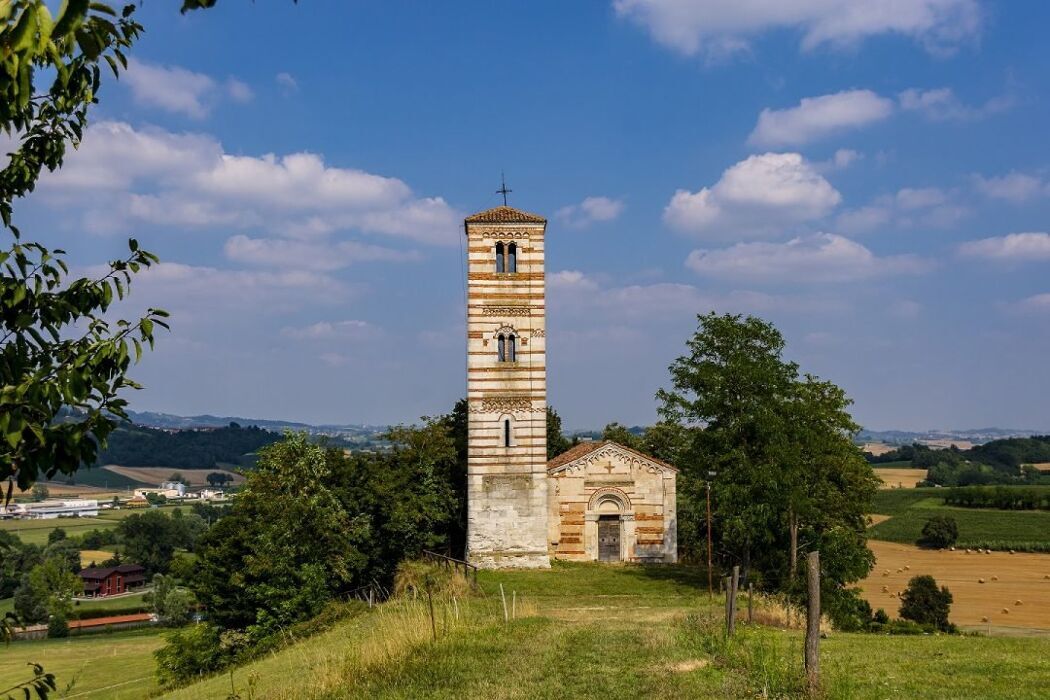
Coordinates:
<point>114,603</point>
<point>114,666</point>
<point>37,531</point>
<point>1023,577</point>
<point>609,632</point>
<point>911,508</point>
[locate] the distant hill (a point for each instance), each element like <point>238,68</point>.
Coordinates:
<point>976,436</point>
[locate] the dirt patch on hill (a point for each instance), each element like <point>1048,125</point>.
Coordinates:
<point>1008,578</point>
<point>152,476</point>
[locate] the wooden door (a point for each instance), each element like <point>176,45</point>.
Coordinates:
<point>609,538</point>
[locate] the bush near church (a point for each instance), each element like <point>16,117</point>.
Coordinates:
<point>939,532</point>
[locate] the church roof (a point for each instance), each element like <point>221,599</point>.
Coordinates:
<point>586,448</point>
<point>505,215</point>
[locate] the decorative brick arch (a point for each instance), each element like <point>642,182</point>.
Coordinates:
<point>609,493</point>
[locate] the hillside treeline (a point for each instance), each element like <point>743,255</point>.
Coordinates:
<point>138,446</point>
<point>997,462</point>
<point>999,497</point>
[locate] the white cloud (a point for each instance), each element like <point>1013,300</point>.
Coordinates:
<point>689,26</point>
<point>758,196</point>
<point>286,82</point>
<point>1037,303</point>
<point>941,104</point>
<point>1015,246</point>
<point>821,257</point>
<point>819,117</point>
<point>333,330</point>
<point>590,210</point>
<point>309,255</point>
<point>121,176</point>
<point>1013,187</point>
<point>176,89</point>
<point>570,279</point>
<point>909,207</point>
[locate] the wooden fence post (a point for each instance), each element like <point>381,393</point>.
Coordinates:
<point>750,598</point>
<point>813,622</point>
<point>732,597</point>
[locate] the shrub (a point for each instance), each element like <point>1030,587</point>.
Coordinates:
<point>880,617</point>
<point>939,532</point>
<point>190,652</point>
<point>924,603</point>
<point>57,627</point>
<point>848,611</point>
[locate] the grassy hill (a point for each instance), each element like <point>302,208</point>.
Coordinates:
<point>585,631</point>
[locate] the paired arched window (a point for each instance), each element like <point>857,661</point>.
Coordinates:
<point>507,347</point>
<point>506,257</point>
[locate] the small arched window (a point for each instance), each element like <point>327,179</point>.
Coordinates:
<point>512,349</point>
<point>501,344</point>
<point>499,258</point>
<point>512,257</point>
<point>506,432</point>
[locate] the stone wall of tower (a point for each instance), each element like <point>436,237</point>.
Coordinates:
<point>507,509</point>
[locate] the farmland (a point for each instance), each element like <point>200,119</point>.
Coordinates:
<point>1000,529</point>
<point>1008,578</point>
<point>899,477</point>
<point>36,531</point>
<point>151,476</point>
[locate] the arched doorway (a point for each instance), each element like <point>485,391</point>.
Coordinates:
<point>610,509</point>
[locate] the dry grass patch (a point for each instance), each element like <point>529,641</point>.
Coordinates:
<point>156,475</point>
<point>1006,577</point>
<point>900,478</point>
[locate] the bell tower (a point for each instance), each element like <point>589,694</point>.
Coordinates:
<point>507,510</point>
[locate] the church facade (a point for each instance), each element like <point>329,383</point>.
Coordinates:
<point>599,501</point>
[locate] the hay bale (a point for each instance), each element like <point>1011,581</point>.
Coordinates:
<point>1017,602</point>
<point>984,619</point>
<point>951,549</point>
<point>885,589</point>
<point>987,551</point>
<point>980,580</point>
<point>967,551</point>
<point>1011,551</point>
<point>1006,611</point>
<point>995,578</point>
<point>907,568</point>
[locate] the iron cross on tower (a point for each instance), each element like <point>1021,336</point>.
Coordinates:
<point>503,188</point>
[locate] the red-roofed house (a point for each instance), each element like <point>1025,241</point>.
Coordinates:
<point>112,580</point>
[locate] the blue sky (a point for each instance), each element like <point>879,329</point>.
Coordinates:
<point>874,178</point>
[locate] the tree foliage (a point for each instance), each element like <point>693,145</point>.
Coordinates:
<point>58,349</point>
<point>939,532</point>
<point>788,478</point>
<point>924,603</point>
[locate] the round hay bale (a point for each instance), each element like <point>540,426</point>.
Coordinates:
<point>967,551</point>
<point>1017,602</point>
<point>987,551</point>
<point>995,578</point>
<point>907,568</point>
<point>900,570</point>
<point>885,589</point>
<point>984,619</point>
<point>951,549</point>
<point>1011,551</point>
<point>1006,611</point>
<point>980,580</point>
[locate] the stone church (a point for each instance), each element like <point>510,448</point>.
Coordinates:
<point>599,501</point>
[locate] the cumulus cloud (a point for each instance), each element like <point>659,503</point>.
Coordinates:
<point>691,27</point>
<point>176,89</point>
<point>1037,303</point>
<point>909,207</point>
<point>309,255</point>
<point>758,196</point>
<point>941,104</point>
<point>1013,187</point>
<point>286,82</point>
<point>818,117</point>
<point>570,279</point>
<point>122,176</point>
<point>591,210</point>
<point>1015,246</point>
<point>821,257</point>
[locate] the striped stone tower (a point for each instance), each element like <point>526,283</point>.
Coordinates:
<point>506,390</point>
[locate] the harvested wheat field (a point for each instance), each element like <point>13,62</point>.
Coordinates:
<point>877,448</point>
<point>904,478</point>
<point>155,475</point>
<point>1018,584</point>
<point>1042,466</point>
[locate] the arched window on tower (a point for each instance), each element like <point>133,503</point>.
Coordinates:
<point>501,344</point>
<point>499,258</point>
<point>506,432</point>
<point>512,257</point>
<point>512,348</point>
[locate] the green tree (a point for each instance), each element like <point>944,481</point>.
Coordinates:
<point>47,590</point>
<point>621,434</point>
<point>939,532</point>
<point>66,552</point>
<point>781,448</point>
<point>40,492</point>
<point>924,603</point>
<point>30,608</point>
<point>150,540</point>
<point>56,535</point>
<point>288,541</point>
<point>63,364</point>
<point>171,604</point>
<point>556,440</point>
<point>177,477</point>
